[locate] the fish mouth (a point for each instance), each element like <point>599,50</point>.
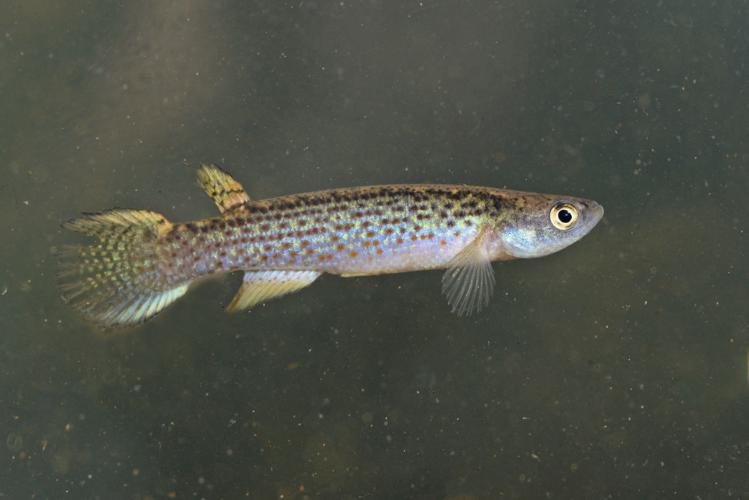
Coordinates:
<point>593,213</point>
<point>596,212</point>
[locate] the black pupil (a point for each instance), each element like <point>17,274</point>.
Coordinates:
<point>564,216</point>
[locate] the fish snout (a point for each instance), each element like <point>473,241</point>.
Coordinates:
<point>596,211</point>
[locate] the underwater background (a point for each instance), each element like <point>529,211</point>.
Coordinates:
<point>614,369</point>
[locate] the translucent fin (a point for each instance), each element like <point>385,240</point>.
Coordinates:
<point>121,278</point>
<point>261,286</point>
<point>468,282</point>
<point>226,192</point>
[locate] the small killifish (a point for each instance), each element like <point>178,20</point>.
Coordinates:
<point>141,262</point>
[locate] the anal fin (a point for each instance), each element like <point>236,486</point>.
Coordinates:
<point>261,286</point>
<point>468,282</point>
<point>226,192</point>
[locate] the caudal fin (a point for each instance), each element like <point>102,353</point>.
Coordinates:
<point>121,279</point>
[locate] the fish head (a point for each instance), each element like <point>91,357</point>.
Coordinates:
<point>535,225</point>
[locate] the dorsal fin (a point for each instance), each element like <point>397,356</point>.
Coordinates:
<point>261,286</point>
<point>226,192</point>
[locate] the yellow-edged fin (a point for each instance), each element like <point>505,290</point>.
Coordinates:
<point>120,279</point>
<point>224,190</point>
<point>261,286</point>
<point>468,282</point>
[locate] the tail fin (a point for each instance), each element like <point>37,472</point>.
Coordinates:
<point>121,279</point>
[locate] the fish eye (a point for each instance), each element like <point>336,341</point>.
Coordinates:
<point>563,216</point>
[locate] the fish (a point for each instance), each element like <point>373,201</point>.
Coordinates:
<point>139,262</point>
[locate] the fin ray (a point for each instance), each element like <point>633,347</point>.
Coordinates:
<point>225,191</point>
<point>469,280</point>
<point>261,286</point>
<point>120,279</point>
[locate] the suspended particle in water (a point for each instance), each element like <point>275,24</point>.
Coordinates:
<point>14,442</point>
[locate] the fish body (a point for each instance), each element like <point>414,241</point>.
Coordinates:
<point>142,262</point>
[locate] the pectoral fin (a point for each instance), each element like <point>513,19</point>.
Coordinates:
<point>468,282</point>
<point>261,286</point>
<point>226,192</point>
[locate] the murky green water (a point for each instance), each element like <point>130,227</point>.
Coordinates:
<point>615,369</point>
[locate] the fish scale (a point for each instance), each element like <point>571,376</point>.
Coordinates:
<point>379,229</point>
<point>142,262</point>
